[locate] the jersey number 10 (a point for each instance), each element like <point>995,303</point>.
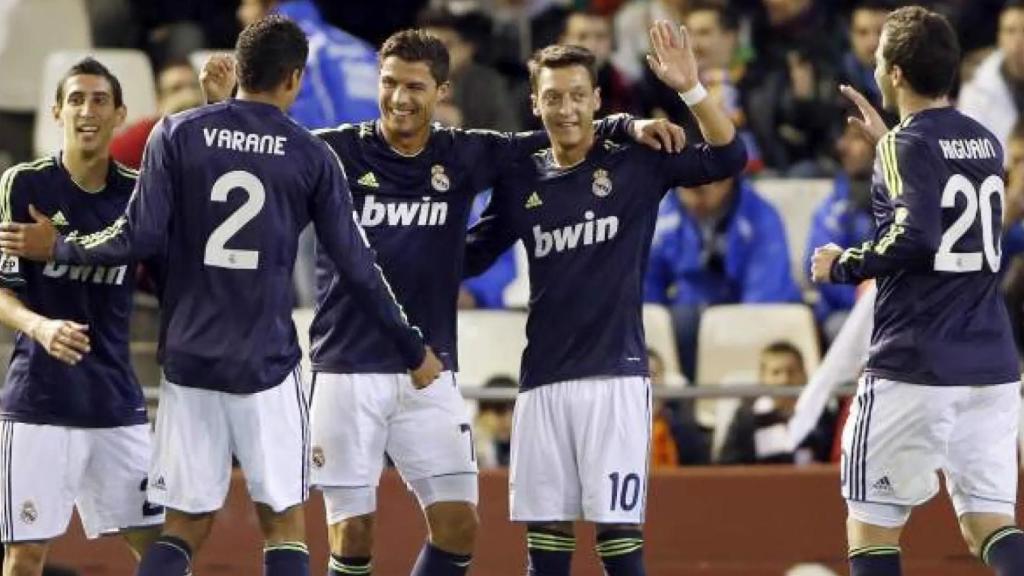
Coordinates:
<point>216,253</point>
<point>979,202</point>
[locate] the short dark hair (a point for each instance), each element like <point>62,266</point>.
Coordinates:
<point>925,47</point>
<point>561,56</point>
<point>268,51</point>
<point>728,20</point>
<point>783,347</point>
<point>1013,5</point>
<point>417,45</point>
<point>89,66</point>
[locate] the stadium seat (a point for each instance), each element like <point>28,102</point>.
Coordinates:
<point>796,201</point>
<point>131,67</point>
<point>731,339</point>
<point>662,339</point>
<point>491,343</point>
<point>31,30</point>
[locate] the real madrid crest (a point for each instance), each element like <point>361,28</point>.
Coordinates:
<point>602,183</point>
<point>29,514</point>
<point>438,179</point>
<point>318,457</point>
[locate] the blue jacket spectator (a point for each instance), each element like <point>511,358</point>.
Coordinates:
<point>340,82</point>
<point>740,256</point>
<point>716,244</point>
<point>840,220</point>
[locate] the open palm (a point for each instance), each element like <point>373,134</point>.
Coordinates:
<point>673,61</point>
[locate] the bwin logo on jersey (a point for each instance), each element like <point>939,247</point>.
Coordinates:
<point>94,274</point>
<point>579,234</point>
<point>425,213</point>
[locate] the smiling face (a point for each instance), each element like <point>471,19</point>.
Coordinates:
<point>408,96</point>
<point>88,114</point>
<point>565,100</point>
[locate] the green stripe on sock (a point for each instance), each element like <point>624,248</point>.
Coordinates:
<point>619,547</point>
<point>355,570</point>
<point>874,551</point>
<point>294,546</point>
<point>996,537</point>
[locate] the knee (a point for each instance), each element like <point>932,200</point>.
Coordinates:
<point>564,528</point>
<point>976,529</point>
<point>352,536</point>
<point>286,526</point>
<point>454,528</point>
<point>24,559</point>
<point>191,528</point>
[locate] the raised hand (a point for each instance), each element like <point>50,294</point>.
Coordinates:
<point>31,241</point>
<point>65,340</point>
<point>218,78</point>
<point>870,123</point>
<point>673,61</point>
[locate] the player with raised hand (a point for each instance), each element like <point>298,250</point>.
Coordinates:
<point>413,183</point>
<point>585,210</point>
<point>70,391</point>
<point>224,192</point>
<point>941,391</point>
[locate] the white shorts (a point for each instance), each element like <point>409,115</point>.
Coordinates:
<point>357,418</point>
<point>899,436</point>
<point>198,430</point>
<point>46,471</point>
<point>580,451</point>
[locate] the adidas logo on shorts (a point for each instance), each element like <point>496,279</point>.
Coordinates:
<point>882,485</point>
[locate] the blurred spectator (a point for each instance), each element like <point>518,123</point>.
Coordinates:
<point>173,29</point>
<point>1013,232</point>
<point>594,32</point>
<point>480,94</point>
<point>340,82</point>
<point>716,244</point>
<point>792,104</point>
<point>488,289</point>
<point>632,25</point>
<point>177,89</point>
<point>758,432</point>
<point>675,438</point>
<point>845,219</point>
<point>493,426</point>
<point>858,64</point>
<point>995,95</point>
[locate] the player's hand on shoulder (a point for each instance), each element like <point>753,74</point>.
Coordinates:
<point>65,340</point>
<point>821,262</point>
<point>871,124</point>
<point>218,78</point>
<point>673,61</point>
<point>660,134</point>
<point>428,371</point>
<point>33,241</point>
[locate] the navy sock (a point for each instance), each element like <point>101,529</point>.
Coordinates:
<point>621,552</point>
<point>349,566</point>
<point>286,559</point>
<point>875,561</point>
<point>550,552</point>
<point>1004,551</point>
<point>166,556</point>
<point>436,562</point>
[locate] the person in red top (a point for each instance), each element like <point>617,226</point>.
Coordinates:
<point>177,89</point>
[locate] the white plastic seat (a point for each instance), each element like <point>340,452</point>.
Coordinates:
<point>491,343</point>
<point>796,201</point>
<point>133,71</point>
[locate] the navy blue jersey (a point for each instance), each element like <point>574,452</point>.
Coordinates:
<point>101,391</point>
<point>224,192</point>
<point>587,230</point>
<point>414,210</point>
<point>938,203</point>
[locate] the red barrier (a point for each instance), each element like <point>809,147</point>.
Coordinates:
<point>716,521</point>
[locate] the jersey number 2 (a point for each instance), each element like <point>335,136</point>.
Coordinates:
<point>216,254</point>
<point>978,202</point>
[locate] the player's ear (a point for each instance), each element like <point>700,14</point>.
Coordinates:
<point>534,105</point>
<point>294,80</point>
<point>597,98</point>
<point>56,114</point>
<point>119,115</point>
<point>443,89</point>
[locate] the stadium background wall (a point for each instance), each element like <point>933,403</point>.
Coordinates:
<point>716,521</point>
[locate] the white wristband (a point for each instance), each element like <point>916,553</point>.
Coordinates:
<point>694,95</point>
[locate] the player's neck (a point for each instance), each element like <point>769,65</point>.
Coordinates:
<point>910,103</point>
<point>406,145</point>
<point>88,172</point>
<point>569,156</point>
<point>272,98</point>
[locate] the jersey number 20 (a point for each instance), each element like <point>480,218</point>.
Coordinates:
<point>216,254</point>
<point>979,202</point>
